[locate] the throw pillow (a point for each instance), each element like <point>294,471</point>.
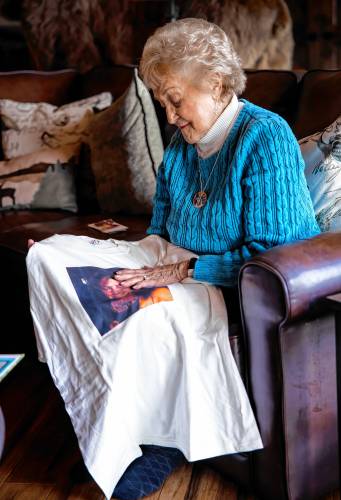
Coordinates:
<point>322,157</point>
<point>44,179</point>
<point>126,150</point>
<point>28,127</point>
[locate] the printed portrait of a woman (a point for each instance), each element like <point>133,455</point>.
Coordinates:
<point>106,301</point>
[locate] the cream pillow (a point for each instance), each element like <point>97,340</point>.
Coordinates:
<point>322,156</point>
<point>28,127</point>
<point>40,180</point>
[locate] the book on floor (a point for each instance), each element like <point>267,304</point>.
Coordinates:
<point>8,362</point>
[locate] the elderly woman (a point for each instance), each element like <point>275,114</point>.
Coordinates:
<point>232,181</point>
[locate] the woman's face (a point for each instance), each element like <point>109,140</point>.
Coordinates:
<point>113,289</point>
<point>188,106</point>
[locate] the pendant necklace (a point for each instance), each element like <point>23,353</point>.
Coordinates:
<point>200,198</point>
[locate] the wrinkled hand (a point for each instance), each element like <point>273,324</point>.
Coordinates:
<point>148,277</point>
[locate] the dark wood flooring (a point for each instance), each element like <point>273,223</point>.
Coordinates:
<point>41,449</point>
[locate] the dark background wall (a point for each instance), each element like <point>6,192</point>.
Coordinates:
<point>316,30</point>
<point>317,33</point>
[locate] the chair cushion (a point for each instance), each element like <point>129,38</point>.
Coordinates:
<point>55,87</point>
<point>113,79</point>
<point>274,90</point>
<point>320,101</point>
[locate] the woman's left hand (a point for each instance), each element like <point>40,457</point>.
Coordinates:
<point>148,277</point>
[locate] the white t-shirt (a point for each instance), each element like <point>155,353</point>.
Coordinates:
<point>148,368</point>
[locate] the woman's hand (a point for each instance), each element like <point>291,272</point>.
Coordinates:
<point>148,277</point>
<point>30,243</point>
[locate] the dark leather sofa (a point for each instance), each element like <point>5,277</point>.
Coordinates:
<point>281,331</point>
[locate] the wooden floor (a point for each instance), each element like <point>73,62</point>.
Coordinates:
<point>41,449</point>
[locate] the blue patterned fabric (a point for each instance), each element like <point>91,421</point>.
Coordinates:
<point>147,473</point>
<point>257,196</point>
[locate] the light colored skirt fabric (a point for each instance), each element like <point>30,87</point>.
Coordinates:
<point>160,371</point>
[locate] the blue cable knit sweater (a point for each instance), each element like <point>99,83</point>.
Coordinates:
<point>257,196</point>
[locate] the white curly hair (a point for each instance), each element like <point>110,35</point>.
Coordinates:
<point>194,45</point>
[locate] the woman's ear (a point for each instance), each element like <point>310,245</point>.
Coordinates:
<point>217,87</point>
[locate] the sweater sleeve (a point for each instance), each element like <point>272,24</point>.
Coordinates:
<point>161,206</point>
<point>276,204</point>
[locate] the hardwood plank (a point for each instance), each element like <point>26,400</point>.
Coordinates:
<point>66,487</point>
<point>59,491</point>
<point>62,452</point>
<point>88,491</point>
<point>176,485</point>
<point>22,491</point>
<point>333,496</point>
<point>44,441</point>
<point>47,449</point>
<point>14,455</point>
<point>245,496</point>
<point>209,485</point>
<point>21,396</point>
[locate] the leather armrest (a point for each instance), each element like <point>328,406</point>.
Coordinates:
<point>308,270</point>
<point>290,352</point>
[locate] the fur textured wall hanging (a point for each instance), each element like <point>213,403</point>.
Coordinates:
<point>87,33</point>
<point>78,34</point>
<point>260,30</point>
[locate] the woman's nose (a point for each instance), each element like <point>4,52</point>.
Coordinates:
<point>171,115</point>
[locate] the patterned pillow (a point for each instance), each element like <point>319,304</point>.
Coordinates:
<point>322,156</point>
<point>28,127</point>
<point>126,150</point>
<point>44,179</point>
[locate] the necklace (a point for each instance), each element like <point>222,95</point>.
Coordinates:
<point>200,198</point>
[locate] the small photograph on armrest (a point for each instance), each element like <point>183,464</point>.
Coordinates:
<point>108,226</point>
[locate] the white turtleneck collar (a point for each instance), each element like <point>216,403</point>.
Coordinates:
<point>216,135</point>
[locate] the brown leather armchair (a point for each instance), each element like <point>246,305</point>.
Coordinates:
<point>290,350</point>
